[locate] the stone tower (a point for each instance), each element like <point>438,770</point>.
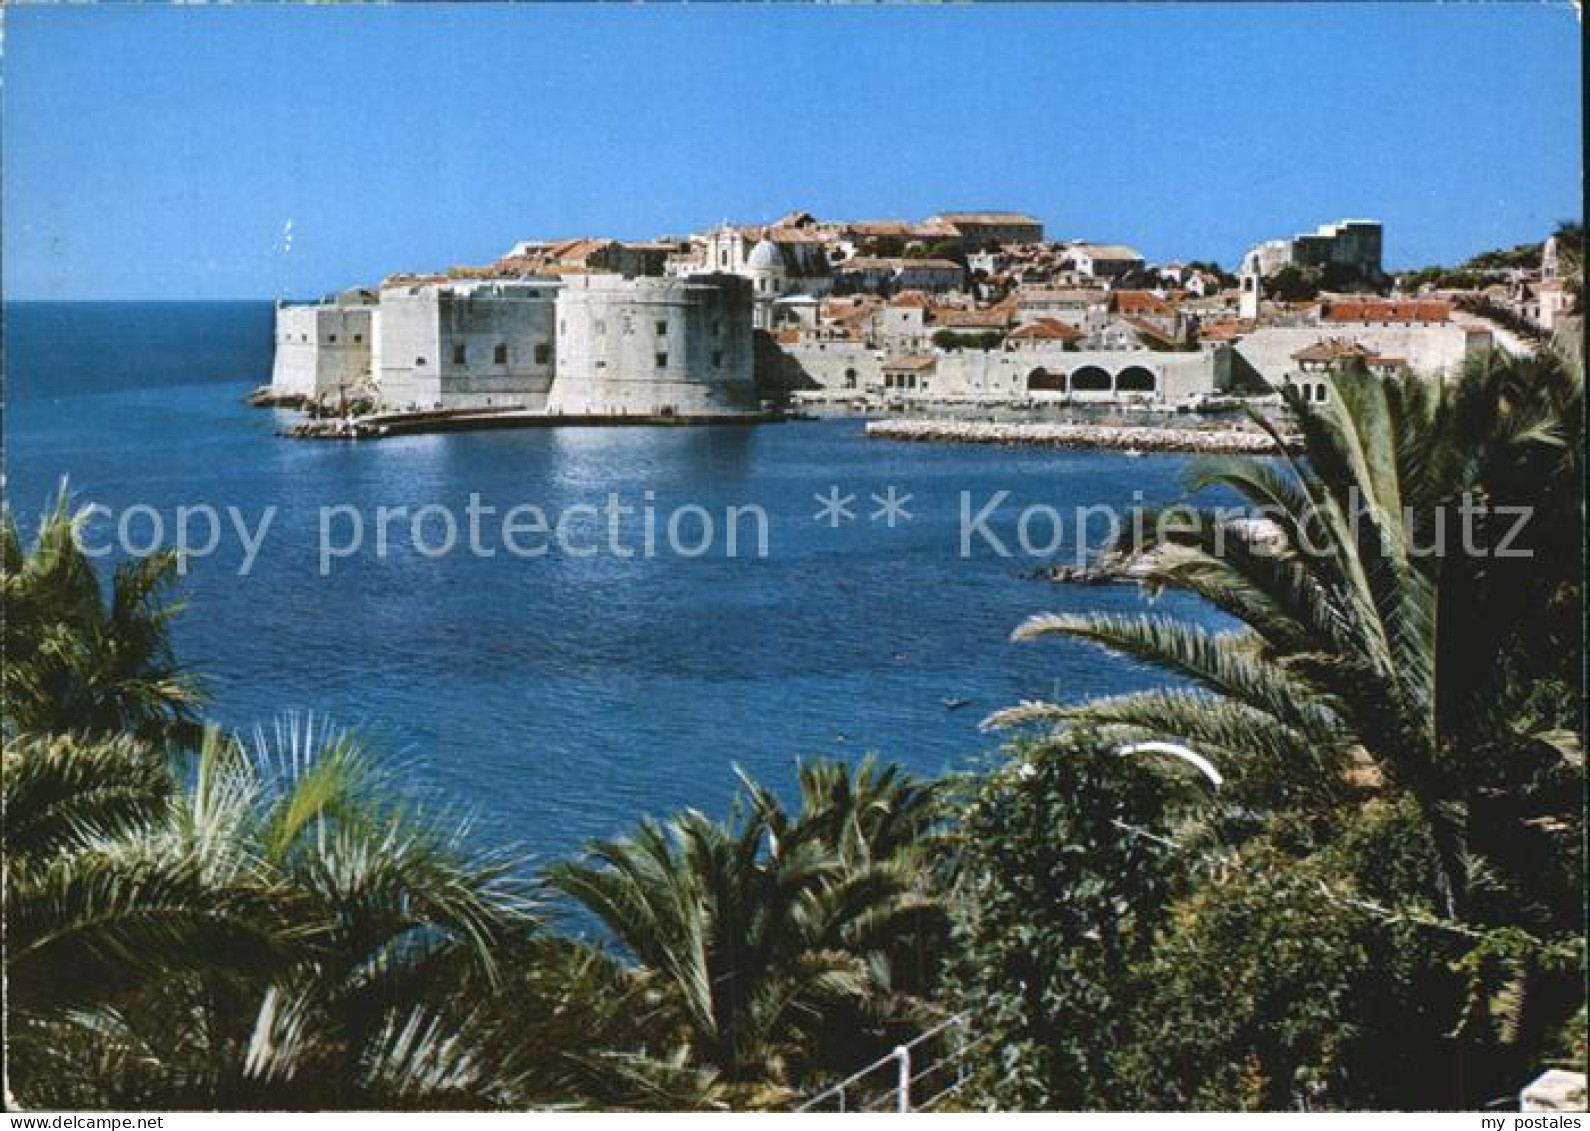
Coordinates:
<point>1252,290</point>
<point>654,347</point>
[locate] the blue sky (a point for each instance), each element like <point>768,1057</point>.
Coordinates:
<point>162,152</point>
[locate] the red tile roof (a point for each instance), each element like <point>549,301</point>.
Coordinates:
<point>1333,349</point>
<point>994,318</point>
<point>1228,330</point>
<point>1138,302</point>
<point>986,218</point>
<point>1384,310</point>
<point>1340,349</point>
<point>1046,330</point>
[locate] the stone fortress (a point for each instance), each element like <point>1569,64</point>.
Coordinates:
<point>965,307</point>
<point>588,345</point>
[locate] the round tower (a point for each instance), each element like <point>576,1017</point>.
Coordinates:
<point>654,347</point>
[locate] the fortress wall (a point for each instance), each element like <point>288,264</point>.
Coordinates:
<point>467,346</point>
<point>840,367</point>
<point>496,345</point>
<point>320,349</point>
<point>409,349</point>
<point>1435,350</point>
<point>652,346</point>
<point>1001,375</point>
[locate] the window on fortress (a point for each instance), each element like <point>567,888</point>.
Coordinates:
<point>500,354</point>
<point>331,337</point>
<point>358,338</point>
<point>662,329</point>
<point>717,358</point>
<point>543,353</point>
<point>419,361</point>
<point>662,361</point>
<point>459,357</point>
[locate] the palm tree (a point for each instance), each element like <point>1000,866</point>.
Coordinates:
<point>870,812</point>
<point>1363,660</point>
<point>95,921</point>
<point>403,922</point>
<point>754,933</point>
<point>81,660</point>
<point>287,930</point>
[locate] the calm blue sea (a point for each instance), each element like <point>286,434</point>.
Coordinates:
<point>560,697</point>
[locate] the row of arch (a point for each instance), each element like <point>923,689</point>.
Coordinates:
<point>1093,379</point>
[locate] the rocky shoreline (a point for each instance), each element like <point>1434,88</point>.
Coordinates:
<point>1232,439</point>
<point>377,425</point>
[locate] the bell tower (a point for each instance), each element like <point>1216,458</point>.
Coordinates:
<point>1252,290</point>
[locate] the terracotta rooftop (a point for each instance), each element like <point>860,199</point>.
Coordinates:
<point>1138,302</point>
<point>896,228</point>
<point>1046,330</point>
<point>1110,251</point>
<point>1382,310</point>
<point>1333,349</point>
<point>993,318</point>
<point>986,218</point>
<point>1339,349</point>
<point>848,311</point>
<point>577,251</point>
<point>1228,330</point>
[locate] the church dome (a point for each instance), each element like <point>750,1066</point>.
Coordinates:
<point>765,256</point>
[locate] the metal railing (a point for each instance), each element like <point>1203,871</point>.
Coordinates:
<point>916,1076</point>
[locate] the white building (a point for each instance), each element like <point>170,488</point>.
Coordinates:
<point>466,344</point>
<point>979,231</point>
<point>324,349</point>
<point>1103,261</point>
<point>891,275</point>
<point>654,347</point>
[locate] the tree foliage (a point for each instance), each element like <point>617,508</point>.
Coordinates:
<point>79,658</point>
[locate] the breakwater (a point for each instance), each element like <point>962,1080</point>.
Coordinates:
<point>1227,440</point>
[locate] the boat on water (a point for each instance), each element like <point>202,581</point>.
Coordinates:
<point>954,702</point>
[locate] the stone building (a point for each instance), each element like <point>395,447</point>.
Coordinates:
<point>466,345</point>
<point>1103,261</point>
<point>1086,309</point>
<point>1434,349</point>
<point>324,348</point>
<point>1354,245</point>
<point>890,275</point>
<point>583,344</point>
<point>658,347</point>
<point>978,231</point>
<point>1022,372</point>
